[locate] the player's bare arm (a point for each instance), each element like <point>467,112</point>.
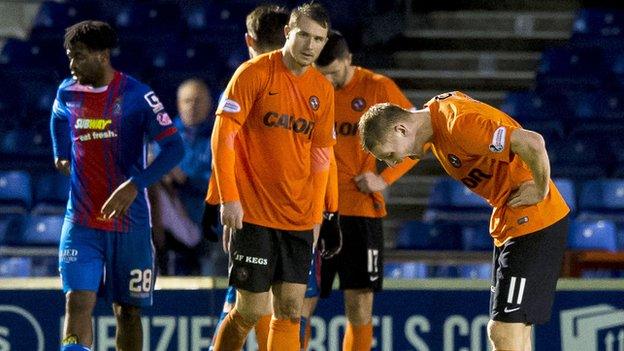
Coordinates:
<point>530,147</point>
<point>120,200</point>
<point>232,219</point>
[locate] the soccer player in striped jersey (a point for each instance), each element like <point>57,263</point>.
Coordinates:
<point>101,120</point>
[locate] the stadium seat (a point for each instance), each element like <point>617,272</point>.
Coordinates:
<point>597,105</point>
<point>51,193</point>
<point>416,235</point>
<point>15,267</point>
<point>443,271</point>
<point>27,141</point>
<point>605,195</point>
<point>527,106</point>
<point>620,239</point>
<point>448,193</point>
<point>476,271</point>
<point>42,230</point>
<point>155,22</point>
<point>562,69</point>
<point>476,236</point>
<point>567,190</point>
<point>15,192</point>
<point>405,270</point>
<point>594,27</point>
<point>592,235</point>
<point>578,159</point>
<point>5,231</point>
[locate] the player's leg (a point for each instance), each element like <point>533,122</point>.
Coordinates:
<point>252,262</point>
<point>130,283</point>
<point>359,311</point>
<point>264,325</point>
<point>528,332</point>
<point>291,278</point>
<point>81,262</point>
<point>228,304</point>
<point>312,293</point>
<point>361,275</point>
<point>129,335</point>
<point>524,279</point>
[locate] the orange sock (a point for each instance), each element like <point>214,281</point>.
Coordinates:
<point>262,332</point>
<point>358,337</point>
<point>232,333</point>
<point>306,338</point>
<point>284,335</point>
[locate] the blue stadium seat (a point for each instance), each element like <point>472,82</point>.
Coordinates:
<point>5,231</point>
<point>592,235</point>
<point>578,159</point>
<point>15,267</point>
<point>620,239</point>
<point>15,192</point>
<point>51,193</point>
<point>443,271</point>
<point>27,141</point>
<point>42,230</point>
<point>406,270</point>
<point>154,22</point>
<point>598,28</point>
<point>416,235</point>
<point>449,193</point>
<point>605,195</point>
<point>562,69</point>
<point>476,236</point>
<point>599,105</point>
<point>533,106</point>
<point>567,190</point>
<point>38,96</point>
<point>475,271</point>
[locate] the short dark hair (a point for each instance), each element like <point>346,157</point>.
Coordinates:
<point>95,35</point>
<point>312,10</point>
<point>335,48</point>
<point>266,25</point>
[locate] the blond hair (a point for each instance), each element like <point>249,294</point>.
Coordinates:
<point>375,124</point>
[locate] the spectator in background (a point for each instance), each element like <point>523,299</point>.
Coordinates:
<point>178,198</point>
<point>195,124</point>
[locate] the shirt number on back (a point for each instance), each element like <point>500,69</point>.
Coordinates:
<point>141,280</point>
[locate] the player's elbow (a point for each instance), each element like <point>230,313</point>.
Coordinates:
<point>527,142</point>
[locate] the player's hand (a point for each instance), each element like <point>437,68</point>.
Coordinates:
<point>527,194</point>
<point>62,165</point>
<point>210,222</point>
<point>369,182</point>
<point>330,237</point>
<point>232,214</point>
<point>177,175</point>
<point>120,200</point>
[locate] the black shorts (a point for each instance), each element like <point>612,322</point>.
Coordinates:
<point>261,256</point>
<point>524,275</point>
<point>359,263</point>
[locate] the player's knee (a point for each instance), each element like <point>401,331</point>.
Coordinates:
<point>126,312</point>
<point>78,302</point>
<point>502,336</point>
<point>288,308</point>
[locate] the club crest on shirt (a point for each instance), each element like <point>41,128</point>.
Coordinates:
<point>454,160</point>
<point>358,104</point>
<point>314,102</point>
<point>163,119</point>
<point>117,107</point>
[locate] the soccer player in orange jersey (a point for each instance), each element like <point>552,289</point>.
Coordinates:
<point>507,165</point>
<point>272,144</point>
<point>359,264</point>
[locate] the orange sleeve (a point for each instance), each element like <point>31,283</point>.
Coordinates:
<point>391,174</point>
<point>320,158</point>
<point>482,135</point>
<point>222,142</point>
<point>212,196</point>
<point>331,194</point>
<point>324,133</point>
